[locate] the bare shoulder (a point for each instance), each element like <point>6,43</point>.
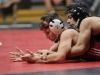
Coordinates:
<point>89,22</point>
<point>91,19</point>
<point>69,32</point>
<point>86,20</point>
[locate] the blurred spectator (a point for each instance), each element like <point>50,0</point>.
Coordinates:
<point>95,8</point>
<point>25,4</point>
<point>8,7</point>
<point>50,3</point>
<point>88,2</point>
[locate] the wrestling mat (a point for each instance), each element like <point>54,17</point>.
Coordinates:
<point>36,40</point>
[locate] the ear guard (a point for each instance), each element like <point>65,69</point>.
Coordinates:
<point>56,26</point>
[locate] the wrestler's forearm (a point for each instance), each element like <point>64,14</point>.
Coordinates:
<point>50,58</point>
<point>54,47</point>
<point>76,51</point>
<point>40,61</point>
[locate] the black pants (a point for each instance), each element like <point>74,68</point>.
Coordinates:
<point>9,10</point>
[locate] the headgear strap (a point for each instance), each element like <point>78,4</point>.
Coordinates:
<point>46,23</point>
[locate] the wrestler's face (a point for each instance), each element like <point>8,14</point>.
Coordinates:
<point>70,20</point>
<point>49,34</point>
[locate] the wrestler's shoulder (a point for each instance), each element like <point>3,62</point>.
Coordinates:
<point>87,19</point>
<point>70,32</point>
<point>90,18</point>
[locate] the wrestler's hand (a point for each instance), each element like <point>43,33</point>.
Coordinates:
<point>17,56</point>
<point>44,53</point>
<point>30,58</point>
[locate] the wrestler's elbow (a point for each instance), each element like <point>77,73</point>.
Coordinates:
<point>81,50</point>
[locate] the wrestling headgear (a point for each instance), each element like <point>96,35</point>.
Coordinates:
<point>79,12</point>
<point>56,26</point>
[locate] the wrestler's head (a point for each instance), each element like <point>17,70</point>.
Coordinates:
<point>52,25</point>
<point>76,12</point>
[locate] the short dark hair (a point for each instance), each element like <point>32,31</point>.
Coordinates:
<point>48,17</point>
<point>78,11</point>
<point>75,5</point>
<point>75,8</point>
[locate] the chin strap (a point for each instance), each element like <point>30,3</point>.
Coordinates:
<point>56,40</point>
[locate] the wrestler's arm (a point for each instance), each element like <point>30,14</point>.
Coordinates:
<point>45,52</point>
<point>63,49</point>
<point>54,47</point>
<point>82,44</point>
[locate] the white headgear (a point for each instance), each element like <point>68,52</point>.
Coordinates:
<point>56,26</point>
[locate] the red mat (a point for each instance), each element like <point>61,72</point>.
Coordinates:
<point>33,40</point>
